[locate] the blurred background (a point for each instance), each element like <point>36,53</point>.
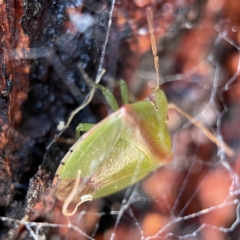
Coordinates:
<point>42,42</point>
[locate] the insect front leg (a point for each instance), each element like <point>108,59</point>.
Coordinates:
<point>106,92</point>
<point>108,96</point>
<point>124,91</point>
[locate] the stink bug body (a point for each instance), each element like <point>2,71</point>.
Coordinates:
<point>122,149</point>
<point>118,151</point>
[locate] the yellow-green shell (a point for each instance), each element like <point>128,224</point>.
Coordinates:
<point>119,151</point>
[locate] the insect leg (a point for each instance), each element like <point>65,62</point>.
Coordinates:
<point>108,96</point>
<point>124,91</point>
<point>71,196</point>
<point>106,92</point>
<point>83,127</point>
<point>228,150</point>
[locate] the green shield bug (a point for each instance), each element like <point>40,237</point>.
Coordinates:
<point>121,149</point>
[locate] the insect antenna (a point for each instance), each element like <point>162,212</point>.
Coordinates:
<point>153,43</point>
<point>228,150</point>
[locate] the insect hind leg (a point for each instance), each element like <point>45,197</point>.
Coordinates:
<point>83,127</point>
